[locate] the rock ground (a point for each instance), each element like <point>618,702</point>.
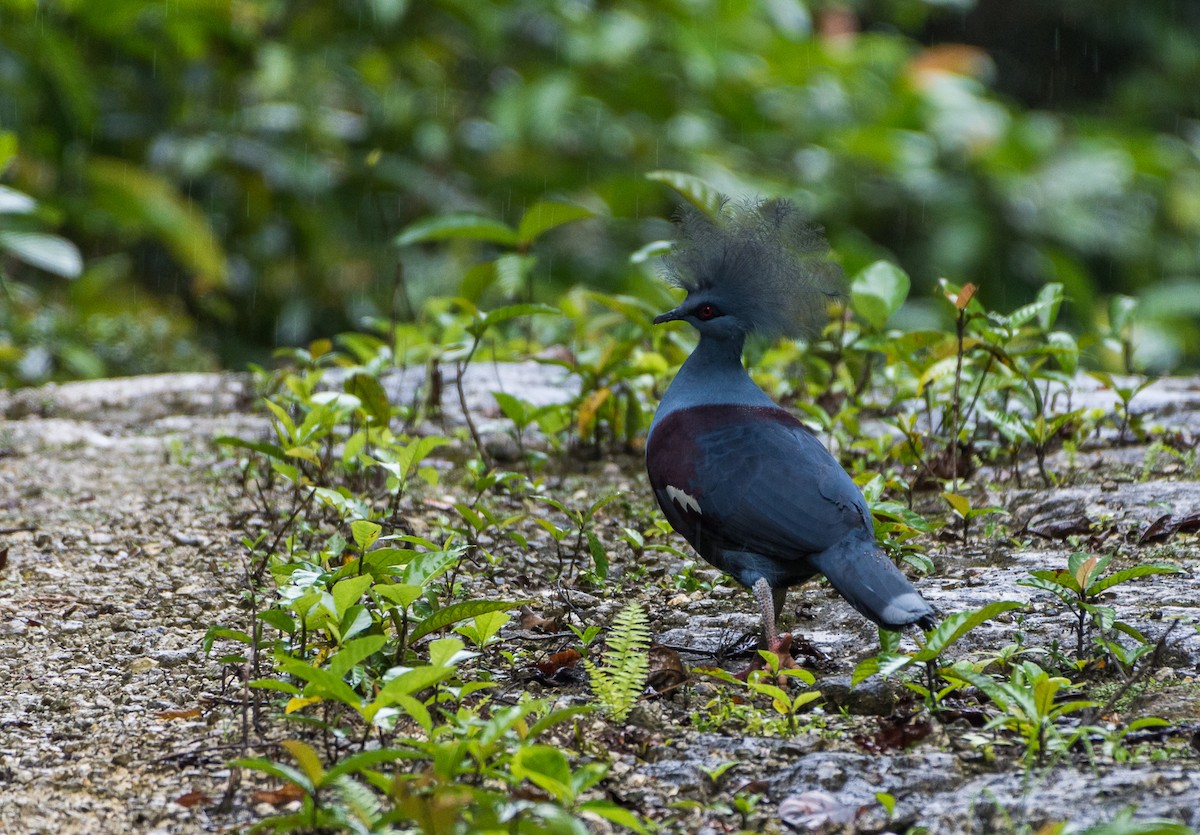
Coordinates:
<point>121,551</point>
<point>121,526</point>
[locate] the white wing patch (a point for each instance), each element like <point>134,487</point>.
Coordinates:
<point>682,498</point>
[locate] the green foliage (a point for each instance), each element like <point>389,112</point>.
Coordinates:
<point>56,331</point>
<point>366,791</point>
<point>964,510</point>
<point>259,164</point>
<point>927,658</point>
<point>620,680</point>
<point>1125,392</point>
<point>1032,707</point>
<point>772,682</point>
<point>1080,587</point>
<point>1125,824</point>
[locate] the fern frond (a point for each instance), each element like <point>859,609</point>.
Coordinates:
<point>619,682</point>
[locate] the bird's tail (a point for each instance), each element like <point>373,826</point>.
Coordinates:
<point>872,584</point>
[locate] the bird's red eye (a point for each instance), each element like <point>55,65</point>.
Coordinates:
<point>706,312</point>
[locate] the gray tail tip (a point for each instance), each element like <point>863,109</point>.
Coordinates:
<point>909,610</point>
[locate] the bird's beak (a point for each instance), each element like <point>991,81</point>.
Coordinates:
<point>669,316</point>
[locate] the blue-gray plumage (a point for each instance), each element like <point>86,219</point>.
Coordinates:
<point>754,491</point>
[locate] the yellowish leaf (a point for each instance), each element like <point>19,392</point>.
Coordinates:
<point>301,702</point>
<point>589,409</point>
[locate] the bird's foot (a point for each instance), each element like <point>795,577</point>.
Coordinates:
<point>782,648</point>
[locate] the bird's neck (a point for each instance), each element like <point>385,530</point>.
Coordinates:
<point>713,374</point>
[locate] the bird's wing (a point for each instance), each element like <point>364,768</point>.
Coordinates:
<point>752,479</point>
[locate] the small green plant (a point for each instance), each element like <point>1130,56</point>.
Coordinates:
<point>1021,427</point>
<point>582,528</point>
<point>586,636</point>
<point>897,527</point>
<point>1118,336</point>
<point>925,660</point>
<point>1127,422</point>
<point>1032,707</point>
<point>771,681</point>
<point>620,680</point>
<point>1080,587</point>
<point>966,512</point>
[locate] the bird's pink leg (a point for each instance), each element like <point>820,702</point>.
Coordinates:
<point>769,602</point>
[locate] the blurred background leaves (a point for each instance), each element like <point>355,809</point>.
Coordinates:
<point>239,174</point>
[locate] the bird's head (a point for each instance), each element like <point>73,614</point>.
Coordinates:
<point>707,315</point>
<point>754,268</point>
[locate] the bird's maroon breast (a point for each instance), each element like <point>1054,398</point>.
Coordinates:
<point>676,451</point>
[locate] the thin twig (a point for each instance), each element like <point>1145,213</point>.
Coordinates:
<point>462,402</point>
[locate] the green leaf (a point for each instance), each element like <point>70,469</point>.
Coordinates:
<point>512,272</point>
<point>487,625</point>
<point>1130,574</point>
<point>1121,310</point>
<point>217,632</point>
<point>306,758</point>
<point>279,619</point>
<point>365,533</point>
<point>371,394</point>
<point>887,801</point>
<point>545,767</point>
<point>445,652</point>
<point>425,567</point>
<point>354,651</point>
<point>47,252</point>
<point>612,812</point>
<point>959,504</point>
<point>347,592</point>
<point>381,561</point>
<point>599,555</point>
<point>699,193</point>
<point>402,594</point>
<point>878,291</point>
<point>1064,593</point>
<point>545,215</point>
<point>149,203</point>
<point>459,225</point>
<point>959,624</point>
<point>1087,568</point>
<point>321,682</point>
<point>1049,300</point>
<point>511,311</point>
<point>287,427</point>
<point>275,684</point>
<point>399,691</point>
<point>286,773</point>
<point>556,717</point>
<point>8,148</point>
<point>456,612</point>
<point>356,763</point>
<point>514,408</point>
<point>407,456</point>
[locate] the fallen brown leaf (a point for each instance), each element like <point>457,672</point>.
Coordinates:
<point>1060,528</point>
<point>281,796</point>
<point>895,734</point>
<point>533,622</point>
<point>193,798</point>
<point>1166,526</point>
<point>666,669</point>
<point>556,662</point>
<point>190,713</point>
